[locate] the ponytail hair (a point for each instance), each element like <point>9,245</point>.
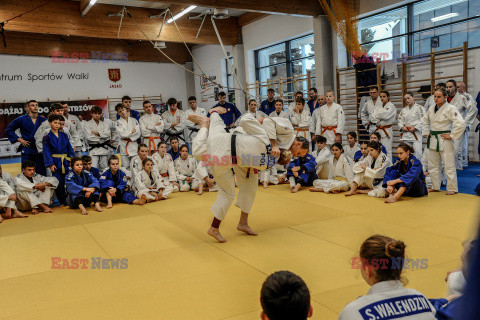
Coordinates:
<point>405,147</point>
<point>443,91</point>
<point>387,252</point>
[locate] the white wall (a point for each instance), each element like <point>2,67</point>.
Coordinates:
<point>212,61</point>
<point>137,79</point>
<point>270,30</point>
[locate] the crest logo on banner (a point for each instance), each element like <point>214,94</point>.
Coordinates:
<point>114,75</point>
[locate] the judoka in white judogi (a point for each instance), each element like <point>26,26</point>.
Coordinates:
<point>28,197</point>
<point>129,132</point>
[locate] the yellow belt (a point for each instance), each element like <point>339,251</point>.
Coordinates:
<point>61,157</point>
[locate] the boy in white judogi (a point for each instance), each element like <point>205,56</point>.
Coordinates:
<point>300,119</point>
<point>192,128</point>
<point>129,132</point>
<point>190,173</point>
<point>384,118</point>
<point>252,109</point>
<point>98,135</point>
<point>330,121</point>
<point>443,124</point>
<point>34,191</point>
<point>7,202</point>
<point>410,120</point>
<point>368,108</point>
<point>175,121</point>
<point>72,123</point>
<point>151,127</point>
<point>279,110</point>
<point>7,177</point>
<point>470,115</point>
<point>322,157</point>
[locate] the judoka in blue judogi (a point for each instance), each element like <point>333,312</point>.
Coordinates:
<point>57,151</point>
<point>411,174</point>
<point>306,174</point>
<point>75,183</point>
<point>118,181</point>
<point>27,132</point>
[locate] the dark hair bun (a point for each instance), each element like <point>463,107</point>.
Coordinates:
<point>395,249</point>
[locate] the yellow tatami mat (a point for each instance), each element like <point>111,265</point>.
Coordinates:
<point>176,271</point>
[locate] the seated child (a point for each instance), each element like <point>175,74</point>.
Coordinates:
<point>190,173</point>
<point>113,184</point>
<point>405,177</point>
<point>285,295</point>
<point>322,156</point>
<point>34,191</point>
<point>369,172</point>
<point>274,175</point>
<point>136,162</point>
<point>362,153</point>
<point>301,170</point>
<point>7,202</point>
<point>149,183</point>
<point>352,146</point>
<point>87,166</point>
<point>164,166</point>
<point>377,137</point>
<point>82,188</point>
<point>340,174</point>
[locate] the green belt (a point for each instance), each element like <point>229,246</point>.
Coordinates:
<point>435,133</point>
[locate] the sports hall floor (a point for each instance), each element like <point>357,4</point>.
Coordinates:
<point>176,271</point>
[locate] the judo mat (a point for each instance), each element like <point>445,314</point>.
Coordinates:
<point>174,270</point>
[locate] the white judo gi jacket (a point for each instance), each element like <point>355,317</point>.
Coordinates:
<point>151,127</point>
<point>128,143</point>
<point>103,130</point>
<point>331,120</point>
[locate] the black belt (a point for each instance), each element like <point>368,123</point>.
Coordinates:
<point>270,162</point>
<point>100,145</point>
<point>194,129</point>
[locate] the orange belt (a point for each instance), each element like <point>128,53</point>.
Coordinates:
<point>324,129</point>
<point>414,134</point>
<point>383,128</point>
<point>126,147</point>
<point>151,140</point>
<point>301,130</point>
<point>164,175</point>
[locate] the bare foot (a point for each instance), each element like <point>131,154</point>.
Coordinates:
<point>1,219</point>
<point>218,109</point>
<point>247,230</point>
<point>265,184</point>
<point>18,214</point>
<point>200,192</point>
<point>432,190</point>
<point>46,209</point>
<point>350,193</point>
<point>98,207</point>
<point>35,211</point>
<point>296,188</point>
<point>8,213</point>
<point>203,121</point>
<point>143,199</point>
<point>109,205</point>
<point>83,211</point>
<point>451,193</point>
<point>315,189</point>
<point>214,232</point>
<point>391,199</point>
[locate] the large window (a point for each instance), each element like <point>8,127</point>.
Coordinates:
<point>419,26</point>
<point>283,61</point>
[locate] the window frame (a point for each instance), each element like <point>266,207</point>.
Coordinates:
<point>410,34</point>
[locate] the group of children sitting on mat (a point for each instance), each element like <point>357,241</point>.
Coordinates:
<point>357,168</point>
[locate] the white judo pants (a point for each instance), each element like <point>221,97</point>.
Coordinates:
<point>387,142</point>
<point>267,175</point>
<point>28,200</point>
<point>187,186</point>
<point>225,179</point>
<point>125,160</point>
<point>417,147</point>
<point>165,193</point>
<point>5,203</point>
<point>366,182</point>
<point>100,162</point>
<point>447,155</point>
<point>329,185</point>
<point>466,134</point>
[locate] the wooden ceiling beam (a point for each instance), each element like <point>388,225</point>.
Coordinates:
<point>297,7</point>
<point>61,17</point>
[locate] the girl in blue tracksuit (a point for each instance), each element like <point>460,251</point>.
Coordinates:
<point>82,187</point>
<point>405,177</point>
